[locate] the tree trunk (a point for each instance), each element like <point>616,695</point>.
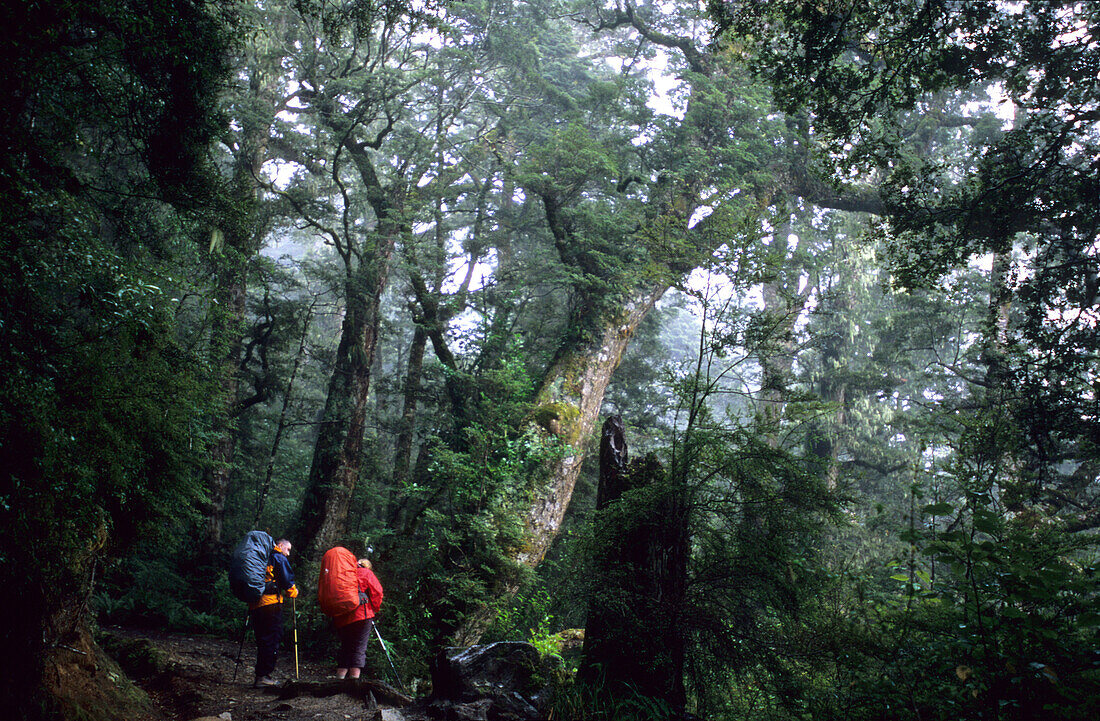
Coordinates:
<point>632,643</point>
<point>567,408</point>
<point>337,453</point>
<point>230,297</point>
<point>402,457</point>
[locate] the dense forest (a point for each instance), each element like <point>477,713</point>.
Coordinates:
<point>757,339</point>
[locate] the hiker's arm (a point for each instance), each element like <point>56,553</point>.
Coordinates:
<point>375,587</point>
<point>284,576</point>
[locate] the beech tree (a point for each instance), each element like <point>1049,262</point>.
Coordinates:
<point>354,67</point>
<point>699,184</point>
<point>628,203</point>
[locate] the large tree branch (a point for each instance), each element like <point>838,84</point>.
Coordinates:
<point>811,188</point>
<point>306,216</point>
<point>627,16</point>
<point>283,149</point>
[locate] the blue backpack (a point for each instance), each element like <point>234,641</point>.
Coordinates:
<point>248,566</point>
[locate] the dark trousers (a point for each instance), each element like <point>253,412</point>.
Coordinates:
<point>267,622</point>
<point>354,639</point>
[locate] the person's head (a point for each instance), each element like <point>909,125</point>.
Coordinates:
<point>284,546</point>
<point>365,563</point>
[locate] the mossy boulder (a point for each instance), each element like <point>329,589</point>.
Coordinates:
<point>86,683</point>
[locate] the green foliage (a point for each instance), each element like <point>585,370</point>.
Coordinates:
<point>977,610</point>
<point>473,524</point>
<point>959,420</point>
<point>574,172</point>
<point>100,399</point>
<point>148,590</point>
<point>591,701</point>
<point>102,406</point>
<point>548,644</point>
<point>101,412</point>
<point>753,512</point>
<point>996,616</point>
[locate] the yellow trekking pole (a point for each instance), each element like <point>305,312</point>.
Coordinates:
<point>294,610</point>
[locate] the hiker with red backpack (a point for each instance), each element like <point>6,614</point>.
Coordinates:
<point>350,594</point>
<point>260,575</point>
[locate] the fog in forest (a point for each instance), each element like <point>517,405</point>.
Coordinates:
<point>732,360</point>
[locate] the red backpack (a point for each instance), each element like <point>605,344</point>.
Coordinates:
<point>338,585</point>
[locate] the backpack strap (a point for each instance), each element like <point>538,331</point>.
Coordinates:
<point>364,594</point>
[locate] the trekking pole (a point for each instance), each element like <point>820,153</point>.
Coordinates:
<point>244,630</point>
<point>294,610</point>
<point>388,658</point>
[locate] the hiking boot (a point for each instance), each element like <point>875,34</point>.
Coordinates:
<point>264,681</point>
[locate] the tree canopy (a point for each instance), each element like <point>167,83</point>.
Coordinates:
<point>377,274</point>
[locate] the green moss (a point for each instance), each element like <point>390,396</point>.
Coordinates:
<point>95,687</point>
<point>560,419</point>
<point>137,657</point>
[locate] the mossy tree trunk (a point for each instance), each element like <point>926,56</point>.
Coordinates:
<point>567,408</point>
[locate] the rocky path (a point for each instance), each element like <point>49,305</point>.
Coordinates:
<point>192,677</point>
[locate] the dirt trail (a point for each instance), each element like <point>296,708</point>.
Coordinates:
<point>190,677</point>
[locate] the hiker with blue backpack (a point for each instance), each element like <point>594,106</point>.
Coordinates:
<point>260,575</point>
